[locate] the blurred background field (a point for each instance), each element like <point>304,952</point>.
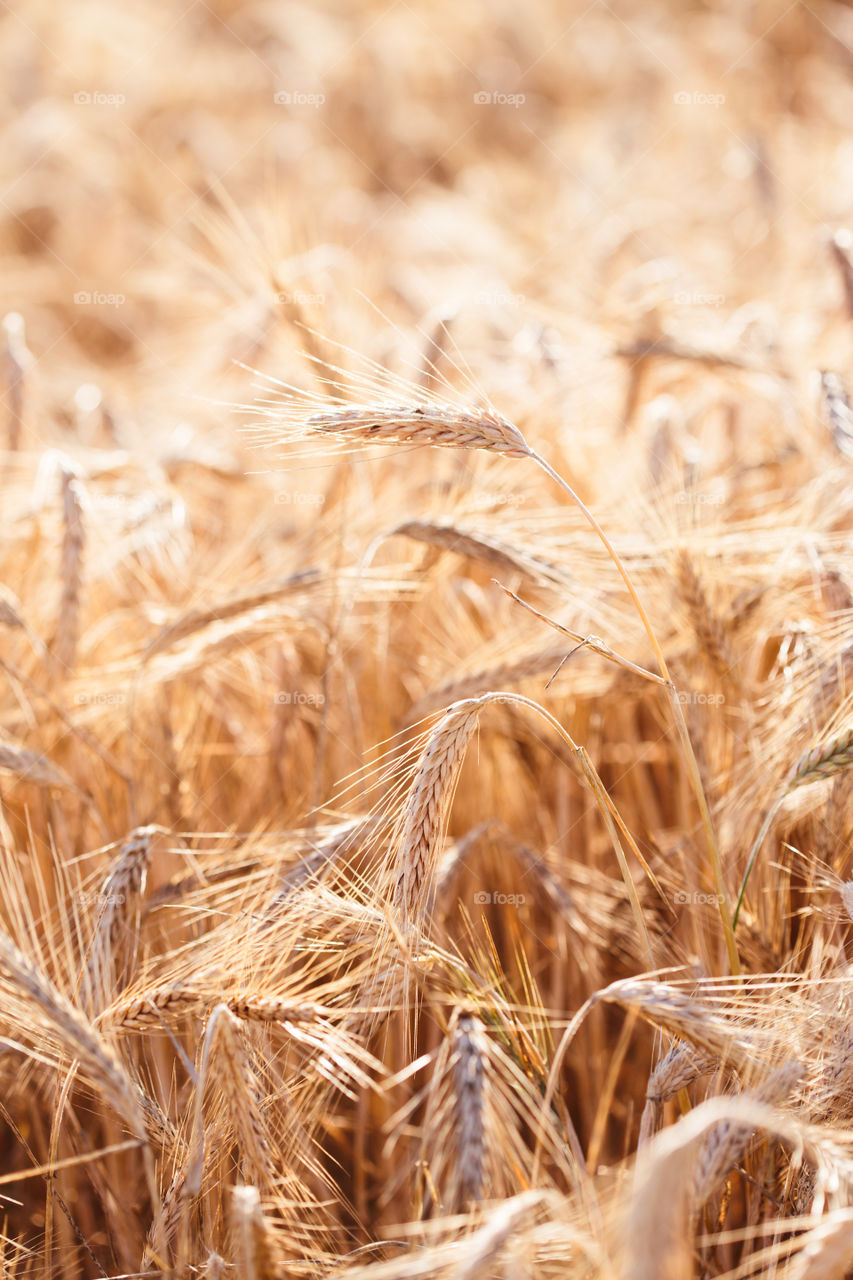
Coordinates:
<point>624,226</point>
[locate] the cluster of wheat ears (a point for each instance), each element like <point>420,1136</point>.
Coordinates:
<point>426,684</point>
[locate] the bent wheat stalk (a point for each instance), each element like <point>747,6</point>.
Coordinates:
<point>465,428</point>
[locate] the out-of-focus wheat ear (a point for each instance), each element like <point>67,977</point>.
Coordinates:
<point>836,412</point>
<point>831,688</point>
<point>706,625</point>
<point>16,359</point>
<point>835,592</point>
<point>226,1062</point>
<point>824,1251</point>
<point>417,844</point>
<point>500,676</point>
<point>477,1254</point>
<point>73,546</point>
<point>840,245</point>
<point>662,422</point>
<point>469,1066</point>
<point>255,1251</point>
<point>477,545</point>
<point>119,904</point>
<point>29,766</point>
<point>437,340</point>
<point>724,1144</point>
<point>215,1267</point>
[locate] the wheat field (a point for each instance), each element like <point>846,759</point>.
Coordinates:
<point>426,590</point>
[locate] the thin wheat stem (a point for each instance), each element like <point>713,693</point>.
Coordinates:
<point>690,756</point>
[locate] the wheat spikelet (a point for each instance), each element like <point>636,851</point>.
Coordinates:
<point>469,1067</point>
<point>155,1007</point>
<point>683,1014</point>
<point>678,1068</point>
<point>252,1008</point>
<point>73,543</point>
<point>114,947</point>
<point>423,425</point>
<point>416,845</point>
<point>237,1079</point>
